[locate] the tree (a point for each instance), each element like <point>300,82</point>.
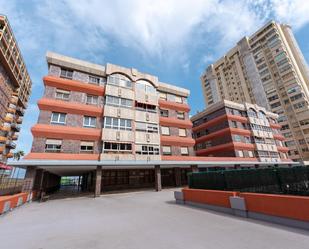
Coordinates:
<point>18,154</point>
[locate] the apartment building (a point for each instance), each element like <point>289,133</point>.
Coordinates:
<point>230,129</point>
<point>111,113</point>
<point>267,69</point>
<point>15,88</point>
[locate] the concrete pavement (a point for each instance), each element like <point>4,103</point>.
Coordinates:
<point>138,220</point>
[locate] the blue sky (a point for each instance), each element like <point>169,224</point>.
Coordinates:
<point>173,39</point>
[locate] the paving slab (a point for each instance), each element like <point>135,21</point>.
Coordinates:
<point>138,220</point>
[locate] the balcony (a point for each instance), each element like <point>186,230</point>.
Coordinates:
<point>19,120</point>
<point>5,127</point>
<point>9,117</point>
<point>15,127</point>
<point>20,111</point>
<point>15,136</point>
<point>14,100</point>
<point>10,144</point>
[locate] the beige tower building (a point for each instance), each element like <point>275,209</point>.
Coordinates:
<point>267,69</point>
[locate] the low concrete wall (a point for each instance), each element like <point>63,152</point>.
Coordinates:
<point>288,206</point>
<point>211,197</point>
<point>287,210</point>
<point>9,202</point>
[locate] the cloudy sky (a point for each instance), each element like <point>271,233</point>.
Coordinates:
<point>173,39</point>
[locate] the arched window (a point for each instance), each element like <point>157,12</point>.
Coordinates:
<point>145,86</point>
<point>252,113</point>
<point>119,80</point>
<point>261,115</point>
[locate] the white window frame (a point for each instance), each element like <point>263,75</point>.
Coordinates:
<point>92,98</point>
<point>163,95</point>
<point>182,132</point>
<point>66,73</point>
<point>118,147</point>
<point>53,144</point>
<point>182,117</point>
<point>90,119</point>
<point>146,127</point>
<point>119,80</point>
<point>118,123</point>
<point>166,150</point>
<point>59,115</point>
<point>89,147</point>
<point>62,94</point>
<point>184,151</point>
<point>145,149</point>
<point>165,130</point>
<point>94,80</point>
<point>117,101</point>
<point>178,99</point>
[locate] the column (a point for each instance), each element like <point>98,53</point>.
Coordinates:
<point>158,178</point>
<point>29,179</point>
<point>39,180</point>
<point>177,172</point>
<point>98,180</point>
<point>194,168</point>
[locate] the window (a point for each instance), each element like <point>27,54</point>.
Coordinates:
<point>89,121</point>
<point>180,115</point>
<point>117,147</point>
<point>145,86</point>
<point>163,96</point>
<point>163,113</point>
<point>184,151</point>
<point>119,80</point>
<point>234,124</point>
<point>146,127</point>
<point>145,107</point>
<point>86,147</point>
<point>66,73</point>
<point>116,101</point>
<point>182,132</point>
<point>239,153</point>
<point>141,149</point>
<point>53,145</point>
<point>300,105</point>
<point>250,153</point>
<point>62,94</point>
<point>92,100</point>
<point>178,99</point>
<point>237,138</point>
<point>118,123</point>
<point>166,150</point>
<point>58,118</point>
<point>165,130</point>
<point>274,105</point>
<point>94,80</point>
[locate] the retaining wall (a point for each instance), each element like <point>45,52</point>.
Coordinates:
<point>282,209</point>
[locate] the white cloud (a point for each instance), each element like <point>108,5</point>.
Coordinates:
<point>183,33</point>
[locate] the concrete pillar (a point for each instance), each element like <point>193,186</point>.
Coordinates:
<point>194,168</point>
<point>29,179</point>
<point>177,172</point>
<point>158,178</point>
<point>39,179</point>
<point>98,180</point>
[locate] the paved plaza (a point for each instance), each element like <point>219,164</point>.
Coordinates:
<point>137,220</point>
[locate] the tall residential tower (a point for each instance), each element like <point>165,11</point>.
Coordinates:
<point>267,69</point>
<point>15,88</point>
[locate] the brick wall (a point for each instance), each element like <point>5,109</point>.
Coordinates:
<point>72,120</point>
<point>68,146</point>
